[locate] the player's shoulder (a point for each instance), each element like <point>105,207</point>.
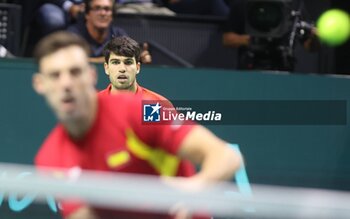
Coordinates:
<point>104,92</point>
<point>147,94</point>
<point>56,133</point>
<point>50,146</point>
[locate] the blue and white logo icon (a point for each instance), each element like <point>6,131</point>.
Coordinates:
<point>151,112</point>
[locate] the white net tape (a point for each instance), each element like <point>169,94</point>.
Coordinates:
<point>115,190</point>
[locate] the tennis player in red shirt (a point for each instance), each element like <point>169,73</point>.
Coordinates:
<point>106,133</point>
<point>122,64</point>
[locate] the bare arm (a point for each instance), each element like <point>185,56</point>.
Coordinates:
<point>218,161</point>
<point>312,43</point>
<point>232,39</point>
<point>75,10</point>
<point>83,212</point>
<point>146,57</point>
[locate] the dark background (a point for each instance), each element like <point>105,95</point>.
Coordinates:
<point>196,40</point>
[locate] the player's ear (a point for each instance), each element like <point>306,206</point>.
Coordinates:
<point>138,67</point>
<point>105,65</point>
<point>37,83</point>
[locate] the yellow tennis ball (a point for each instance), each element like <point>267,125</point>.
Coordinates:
<point>333,27</point>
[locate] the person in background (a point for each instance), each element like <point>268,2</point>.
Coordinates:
<point>56,15</point>
<point>42,17</point>
<point>97,29</point>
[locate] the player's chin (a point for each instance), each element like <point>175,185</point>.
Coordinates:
<point>69,115</point>
<point>123,86</point>
<point>102,25</point>
<point>69,109</point>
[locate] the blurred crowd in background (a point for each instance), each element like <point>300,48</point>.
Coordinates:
<point>97,22</point>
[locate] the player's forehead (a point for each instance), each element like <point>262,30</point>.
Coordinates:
<point>63,58</point>
<point>101,3</point>
<point>114,56</point>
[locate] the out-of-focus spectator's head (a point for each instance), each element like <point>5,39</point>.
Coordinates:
<point>122,46</point>
<point>99,13</point>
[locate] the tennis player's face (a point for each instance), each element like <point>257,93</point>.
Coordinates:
<point>122,72</point>
<point>67,81</point>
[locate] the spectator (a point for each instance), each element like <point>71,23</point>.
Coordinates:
<point>48,16</point>
<point>97,29</point>
<point>55,15</point>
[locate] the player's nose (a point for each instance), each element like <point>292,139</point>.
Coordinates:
<point>122,68</point>
<point>66,80</point>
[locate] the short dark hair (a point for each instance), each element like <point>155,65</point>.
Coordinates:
<point>56,41</point>
<point>88,5</point>
<point>123,46</point>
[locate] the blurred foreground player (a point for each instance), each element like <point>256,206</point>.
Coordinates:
<point>93,131</point>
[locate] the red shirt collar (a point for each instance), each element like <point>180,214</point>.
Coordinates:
<point>138,89</point>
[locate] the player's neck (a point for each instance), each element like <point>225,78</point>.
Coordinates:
<point>79,127</point>
<point>132,89</point>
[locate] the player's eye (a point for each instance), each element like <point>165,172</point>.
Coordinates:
<point>76,71</point>
<point>115,62</point>
<point>53,75</point>
<point>129,62</point>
